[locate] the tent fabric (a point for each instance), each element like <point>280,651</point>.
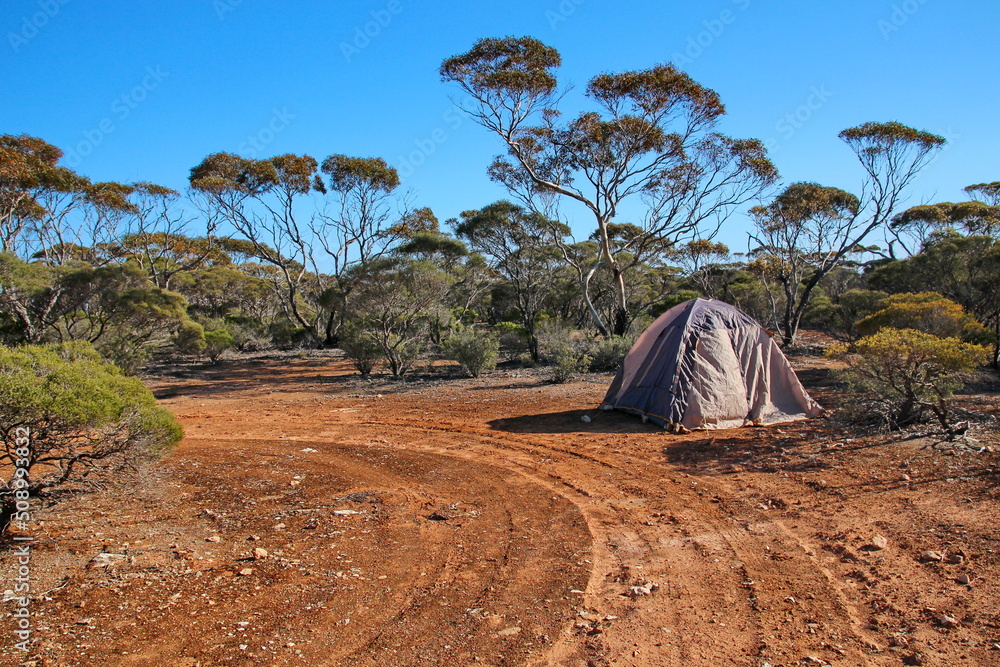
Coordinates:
<point>705,364</point>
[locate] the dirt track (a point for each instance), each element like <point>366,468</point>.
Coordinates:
<point>482,522</point>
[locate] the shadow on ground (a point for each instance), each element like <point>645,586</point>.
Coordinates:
<point>571,421</point>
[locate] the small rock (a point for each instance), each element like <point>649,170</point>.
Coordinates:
<point>344,512</point>
<point>899,640</point>
<point>955,559</point>
<point>106,559</point>
<point>812,660</point>
<point>259,553</point>
<point>637,591</point>
<point>906,478</point>
<point>437,516</point>
<point>279,526</point>
<point>964,579</point>
<point>253,538</point>
<point>947,621</point>
<point>213,538</point>
<point>507,632</point>
<point>877,543</point>
<point>585,419</point>
<point>914,659</point>
<point>931,557</point>
<point>246,572</point>
<point>85,621</point>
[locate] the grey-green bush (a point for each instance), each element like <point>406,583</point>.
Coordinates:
<point>475,351</point>
<point>608,353</point>
<point>66,414</point>
<point>361,348</point>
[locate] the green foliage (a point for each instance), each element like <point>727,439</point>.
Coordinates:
<point>286,335</point>
<point>609,353</point>
<point>84,415</point>
<point>395,300</point>
<point>513,338</point>
<point>565,350</point>
<point>190,338</point>
<point>928,312</point>
<point>475,351</point>
<point>902,376</point>
<point>511,65</point>
<point>361,347</point>
<point>839,318</point>
<point>217,342</point>
<point>567,362</point>
<point>673,299</point>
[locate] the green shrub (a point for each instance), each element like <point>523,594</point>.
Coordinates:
<point>217,342</point>
<point>361,347</point>
<point>566,350</point>
<point>903,376</point>
<point>85,418</point>
<point>286,335</point>
<point>928,312</point>
<point>475,351</point>
<point>123,352</point>
<point>567,362</point>
<point>514,338</point>
<point>839,317</point>
<point>609,353</point>
<point>190,338</point>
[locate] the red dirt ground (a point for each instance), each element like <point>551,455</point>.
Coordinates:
<point>481,522</point>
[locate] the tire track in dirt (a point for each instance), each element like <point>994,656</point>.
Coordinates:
<point>755,554</point>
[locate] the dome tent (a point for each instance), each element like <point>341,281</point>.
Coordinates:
<point>705,364</point>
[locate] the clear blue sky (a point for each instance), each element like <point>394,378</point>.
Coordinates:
<point>146,90</point>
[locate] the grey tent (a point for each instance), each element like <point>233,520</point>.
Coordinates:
<point>705,364</point>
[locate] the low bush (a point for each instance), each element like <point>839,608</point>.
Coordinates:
<point>609,353</point>
<point>928,312</point>
<point>361,347</point>
<point>475,351</point>
<point>567,363</point>
<point>514,339</point>
<point>903,376</point>
<point>217,342</point>
<point>566,350</point>
<point>66,415</point>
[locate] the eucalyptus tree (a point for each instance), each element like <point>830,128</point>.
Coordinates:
<point>809,229</point>
<point>988,193</point>
<point>650,139</point>
<point>29,172</point>
<point>156,236</point>
<point>919,223</point>
<point>356,226</point>
<point>261,200</point>
<point>515,243</point>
